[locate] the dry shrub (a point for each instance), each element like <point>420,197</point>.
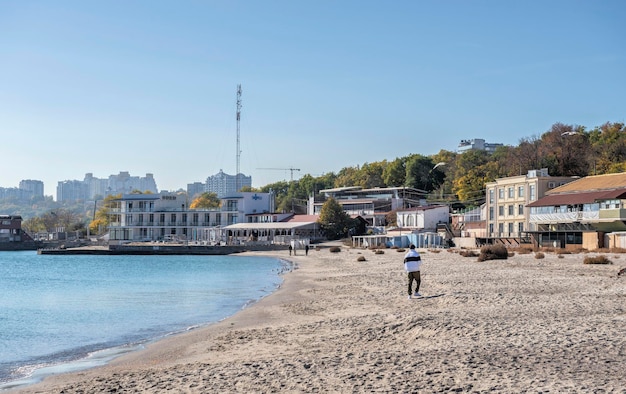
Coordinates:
<point>580,250</point>
<point>493,252</point>
<point>379,251</point>
<point>434,250</point>
<point>563,251</point>
<point>618,250</point>
<point>511,253</point>
<point>548,249</point>
<point>335,249</point>
<point>361,258</point>
<point>468,253</point>
<point>597,260</point>
<point>525,250</point>
<point>317,248</point>
<point>400,250</point>
<point>540,255</point>
<point>560,256</point>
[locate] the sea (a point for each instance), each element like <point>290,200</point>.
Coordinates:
<point>61,313</point>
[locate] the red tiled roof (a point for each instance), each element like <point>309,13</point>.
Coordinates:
<point>577,198</point>
<point>302,218</point>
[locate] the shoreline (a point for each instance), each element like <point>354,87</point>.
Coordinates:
<point>339,325</point>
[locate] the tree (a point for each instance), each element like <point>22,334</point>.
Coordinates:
<point>207,200</point>
<point>101,218</point>
<point>334,222</point>
<point>394,173</point>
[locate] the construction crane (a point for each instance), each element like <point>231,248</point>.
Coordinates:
<point>282,169</point>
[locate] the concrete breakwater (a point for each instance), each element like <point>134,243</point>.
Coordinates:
<point>162,249</point>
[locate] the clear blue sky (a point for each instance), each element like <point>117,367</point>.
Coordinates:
<point>150,86</point>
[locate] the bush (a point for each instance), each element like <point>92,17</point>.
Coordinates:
<point>539,255</point>
<point>434,250</point>
<point>378,251</point>
<point>525,250</point>
<point>400,250</point>
<point>361,258</point>
<point>335,249</point>
<point>493,252</point>
<point>560,256</point>
<point>597,260</point>
<point>468,253</point>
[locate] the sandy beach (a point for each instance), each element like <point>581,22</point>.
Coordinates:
<point>338,325</point>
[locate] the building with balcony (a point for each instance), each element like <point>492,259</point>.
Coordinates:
<point>245,216</point>
<point>588,213</point>
<point>506,199</point>
<point>224,184</point>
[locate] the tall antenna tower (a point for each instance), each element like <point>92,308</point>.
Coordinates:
<point>237,180</point>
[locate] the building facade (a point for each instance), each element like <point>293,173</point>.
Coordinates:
<point>477,144</point>
<point>167,217</point>
<point>223,184</point>
<point>588,213</point>
<point>91,187</point>
<point>506,200</point>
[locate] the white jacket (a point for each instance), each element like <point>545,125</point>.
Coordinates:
<point>412,261</point>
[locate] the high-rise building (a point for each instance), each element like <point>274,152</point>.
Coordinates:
<point>224,185</point>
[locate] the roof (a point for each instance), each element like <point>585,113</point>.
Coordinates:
<point>593,183</point>
<point>302,219</point>
<point>422,208</point>
<point>341,189</point>
<point>577,198</point>
<point>268,226</point>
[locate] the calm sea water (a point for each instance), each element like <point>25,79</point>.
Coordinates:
<point>59,313</point>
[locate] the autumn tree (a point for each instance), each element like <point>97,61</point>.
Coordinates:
<point>102,218</point>
<point>207,200</point>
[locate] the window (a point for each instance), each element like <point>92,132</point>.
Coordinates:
<point>511,192</point>
<point>520,209</point>
<point>511,210</point>
<point>510,228</point>
<point>520,191</point>
<point>533,196</point>
<point>520,227</point>
<point>501,193</point>
<point>491,196</point>
<point>610,204</point>
<point>501,228</point>
<point>501,210</point>
<point>491,213</point>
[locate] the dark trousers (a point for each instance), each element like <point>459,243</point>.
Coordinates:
<point>414,276</point>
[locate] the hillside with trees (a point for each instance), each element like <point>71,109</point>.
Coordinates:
<point>565,150</point>
<point>447,177</point>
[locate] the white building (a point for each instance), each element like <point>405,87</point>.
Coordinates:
<point>223,184</point>
<point>477,144</point>
<point>424,218</point>
<point>167,217</point>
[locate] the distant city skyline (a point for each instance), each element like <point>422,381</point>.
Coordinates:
<point>150,86</point>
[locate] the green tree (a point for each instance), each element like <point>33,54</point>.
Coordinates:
<point>394,174</point>
<point>334,222</point>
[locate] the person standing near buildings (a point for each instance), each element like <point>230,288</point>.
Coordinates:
<point>412,263</point>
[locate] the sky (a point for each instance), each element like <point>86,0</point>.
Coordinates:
<point>149,86</point>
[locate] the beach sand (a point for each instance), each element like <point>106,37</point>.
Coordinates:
<point>338,325</point>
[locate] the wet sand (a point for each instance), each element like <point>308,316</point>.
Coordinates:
<point>343,326</point>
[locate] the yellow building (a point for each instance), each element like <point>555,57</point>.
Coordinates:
<point>507,218</point>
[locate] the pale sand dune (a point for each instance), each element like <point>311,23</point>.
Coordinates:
<point>338,325</point>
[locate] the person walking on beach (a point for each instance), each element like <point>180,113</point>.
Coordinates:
<point>306,250</point>
<point>412,263</point>
<point>290,249</point>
